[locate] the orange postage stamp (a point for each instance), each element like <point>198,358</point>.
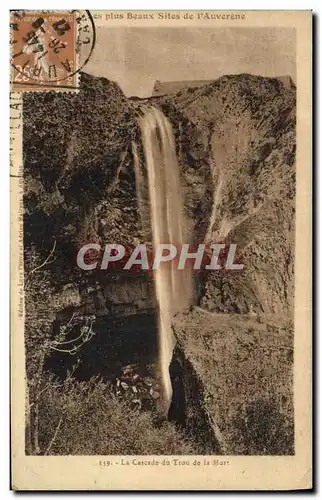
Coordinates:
<point>48,49</point>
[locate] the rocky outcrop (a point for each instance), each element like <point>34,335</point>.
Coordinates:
<point>75,154</point>
<point>237,138</point>
<point>80,187</point>
<point>236,350</point>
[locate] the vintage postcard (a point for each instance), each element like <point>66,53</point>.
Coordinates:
<point>160,250</point>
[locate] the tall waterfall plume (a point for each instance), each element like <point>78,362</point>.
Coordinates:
<point>174,290</point>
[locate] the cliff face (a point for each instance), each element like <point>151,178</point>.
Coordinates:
<point>80,184</point>
<point>240,132</point>
<point>75,149</point>
<point>235,140</point>
<point>237,136</point>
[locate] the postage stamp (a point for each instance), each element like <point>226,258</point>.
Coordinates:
<point>49,48</point>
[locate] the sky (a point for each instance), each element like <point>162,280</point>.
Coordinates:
<point>136,57</point>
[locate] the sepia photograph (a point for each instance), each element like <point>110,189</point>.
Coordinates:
<point>156,172</point>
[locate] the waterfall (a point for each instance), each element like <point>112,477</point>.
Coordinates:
<point>174,290</point>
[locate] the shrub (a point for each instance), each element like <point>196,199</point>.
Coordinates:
<point>86,418</point>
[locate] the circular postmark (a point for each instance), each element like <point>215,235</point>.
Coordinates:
<point>50,47</point>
